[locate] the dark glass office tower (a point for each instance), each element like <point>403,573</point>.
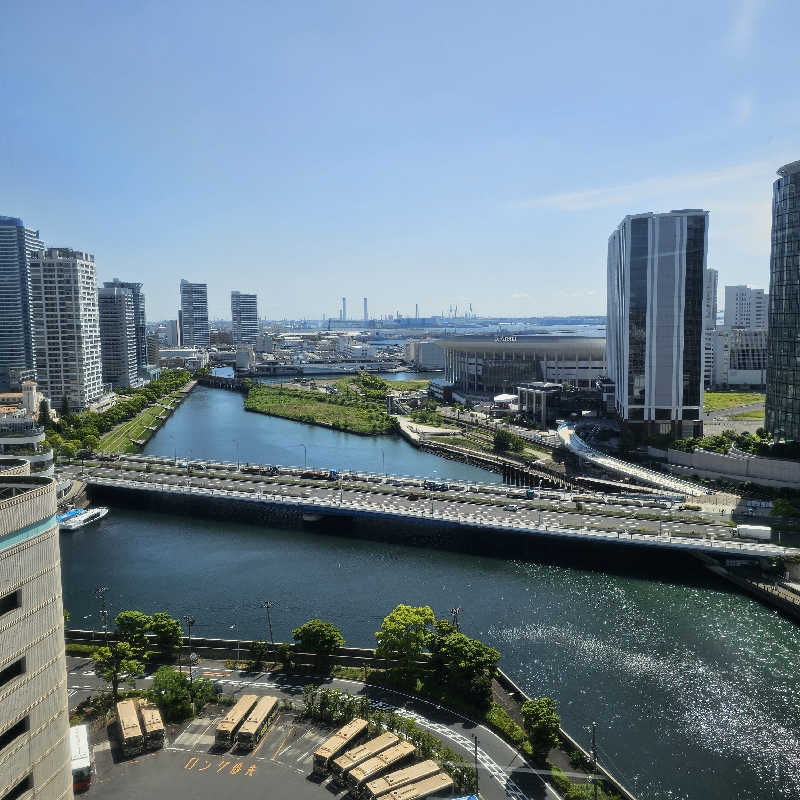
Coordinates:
<point>783,353</point>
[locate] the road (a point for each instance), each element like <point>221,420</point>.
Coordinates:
<point>502,772</point>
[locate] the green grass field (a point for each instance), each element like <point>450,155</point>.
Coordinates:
<point>751,415</point>
<point>717,401</point>
<point>120,439</point>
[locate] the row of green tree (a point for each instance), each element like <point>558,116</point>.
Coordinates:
<point>74,432</point>
<point>758,443</point>
<point>505,441</point>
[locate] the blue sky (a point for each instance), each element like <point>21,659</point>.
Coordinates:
<point>439,153</point>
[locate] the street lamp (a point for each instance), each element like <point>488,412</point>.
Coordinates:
<point>383,461</point>
<point>236,442</point>
<point>189,620</point>
<point>100,592</point>
<point>305,454</point>
<point>267,605</point>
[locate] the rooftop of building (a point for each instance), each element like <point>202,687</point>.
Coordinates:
<point>789,169</point>
<point>536,342</point>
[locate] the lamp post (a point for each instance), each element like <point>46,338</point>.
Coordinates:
<point>236,442</point>
<point>100,592</point>
<point>305,454</point>
<point>383,461</point>
<point>267,604</point>
<point>189,620</point>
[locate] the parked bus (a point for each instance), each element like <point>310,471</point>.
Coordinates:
<point>345,737</point>
<point>373,767</point>
<point>130,730</point>
<point>256,723</point>
<point>394,780</point>
<point>226,729</point>
<point>435,786</point>
<point>358,755</point>
<point>81,757</point>
<point>152,725</point>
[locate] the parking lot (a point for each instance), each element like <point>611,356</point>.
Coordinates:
<point>191,768</point>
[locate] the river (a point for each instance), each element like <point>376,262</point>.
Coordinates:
<point>695,689</point>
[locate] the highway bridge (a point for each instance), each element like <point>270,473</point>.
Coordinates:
<point>309,494</point>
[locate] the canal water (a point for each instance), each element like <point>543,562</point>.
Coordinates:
<point>695,689</point>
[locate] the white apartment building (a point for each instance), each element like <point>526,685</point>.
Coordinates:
<point>66,330</point>
<point>746,307</point>
<point>118,342</point>
<point>656,277</point>
<point>710,287</point>
<point>34,720</point>
<point>194,314</point>
<point>244,318</point>
<point>740,357</point>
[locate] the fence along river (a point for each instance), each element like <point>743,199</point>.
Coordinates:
<point>696,690</point>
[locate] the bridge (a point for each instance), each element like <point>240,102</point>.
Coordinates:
<point>461,507</point>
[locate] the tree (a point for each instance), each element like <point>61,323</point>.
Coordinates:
<point>64,406</point>
<point>168,635</point>
<point>69,450</point>
<point>403,636</point>
<point>541,723</point>
<point>318,637</point>
<point>132,627</point>
<point>502,440</point>
<point>117,664</point>
<point>259,653</point>
<point>91,442</point>
<point>174,694</point>
<point>44,412</point>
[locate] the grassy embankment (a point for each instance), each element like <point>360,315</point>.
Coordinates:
<point>757,415</point>
<point>121,438</point>
<point>719,401</point>
<point>357,407</point>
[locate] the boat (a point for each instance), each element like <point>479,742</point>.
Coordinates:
<point>78,517</point>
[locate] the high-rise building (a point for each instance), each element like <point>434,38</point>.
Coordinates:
<point>656,271</point>
<point>194,314</point>
<point>118,340</point>
<point>66,333</point>
<point>366,315</point>
<point>16,244</point>
<point>344,309</point>
<point>244,316</point>
<point>782,417</point>
<point>710,286</point>
<point>173,333</point>
<point>746,307</point>
<point>35,759</point>
<point>139,317</point>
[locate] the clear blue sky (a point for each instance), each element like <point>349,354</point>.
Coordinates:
<point>440,153</point>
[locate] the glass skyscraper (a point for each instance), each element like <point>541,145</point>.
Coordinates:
<point>782,418</point>
<point>656,271</point>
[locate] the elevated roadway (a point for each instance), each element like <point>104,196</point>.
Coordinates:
<point>463,506</point>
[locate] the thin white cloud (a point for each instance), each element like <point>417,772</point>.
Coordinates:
<point>743,108</point>
<point>520,296</point>
<point>743,25</point>
<point>636,193</point>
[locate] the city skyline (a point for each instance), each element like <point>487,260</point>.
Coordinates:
<point>398,164</point>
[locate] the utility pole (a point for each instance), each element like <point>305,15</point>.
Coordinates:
<point>475,738</point>
<point>267,604</point>
<point>100,592</point>
<point>189,620</point>
<point>594,758</point>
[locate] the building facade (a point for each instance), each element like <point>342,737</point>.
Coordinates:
<point>21,436</point>
<point>16,245</point>
<point>66,331</point>
<point>139,317</point>
<point>484,365</point>
<point>118,341</point>
<point>244,316</point>
<point>746,307</point>
<point>173,336</point>
<point>710,286</point>
<point>739,358</point>
<point>656,274</point>
<point>782,416</point>
<point>194,314</point>
<point>35,756</point>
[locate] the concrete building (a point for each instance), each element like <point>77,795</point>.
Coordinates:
<point>16,245</point>
<point>194,314</point>
<point>244,315</point>
<point>118,341</point>
<point>344,309</point>
<point>21,436</point>
<point>540,401</point>
<point>183,357</point>
<point>245,358</point>
<point>153,345</point>
<point>35,756</point>
<point>710,288</point>
<point>488,365</point>
<point>782,418</point>
<point>739,358</point>
<point>746,307</point>
<point>139,318</point>
<point>66,332</point>
<point>425,354</point>
<point>264,343</point>
<point>173,335</point>
<point>656,273</point>
<point>366,315</point>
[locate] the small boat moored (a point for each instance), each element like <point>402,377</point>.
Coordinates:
<point>78,517</point>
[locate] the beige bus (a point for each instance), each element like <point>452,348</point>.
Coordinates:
<point>256,723</point>
<point>394,780</point>
<point>130,731</point>
<point>226,729</point>
<point>376,766</point>
<point>435,786</point>
<point>346,736</point>
<point>358,755</point>
<point>152,725</point>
